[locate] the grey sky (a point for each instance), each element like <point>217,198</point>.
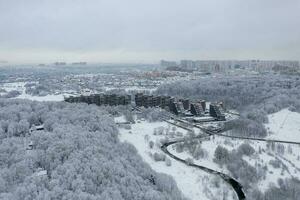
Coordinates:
<point>147,31</point>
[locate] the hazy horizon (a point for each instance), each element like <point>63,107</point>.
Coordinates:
<point>136,31</point>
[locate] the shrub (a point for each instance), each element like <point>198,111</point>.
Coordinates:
<point>275,163</point>
<point>221,155</point>
<point>168,162</point>
<point>159,157</point>
<point>246,149</point>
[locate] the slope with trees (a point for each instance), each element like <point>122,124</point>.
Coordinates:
<point>80,151</point>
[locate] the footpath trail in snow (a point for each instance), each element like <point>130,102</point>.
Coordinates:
<point>284,125</point>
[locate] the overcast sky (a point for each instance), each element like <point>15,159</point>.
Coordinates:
<point>148,30</point>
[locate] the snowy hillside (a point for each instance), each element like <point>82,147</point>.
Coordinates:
<point>258,165</point>
<point>284,125</point>
<point>76,156</point>
<point>194,183</point>
<point>271,161</point>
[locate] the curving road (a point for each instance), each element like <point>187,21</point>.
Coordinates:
<point>238,188</point>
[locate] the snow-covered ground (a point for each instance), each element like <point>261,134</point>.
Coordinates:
<point>290,158</point>
<point>209,147</point>
<point>58,97</point>
<point>132,88</point>
<point>194,183</point>
<point>284,125</point>
<point>20,86</point>
<point>120,119</point>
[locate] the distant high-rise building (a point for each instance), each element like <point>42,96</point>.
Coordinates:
<point>165,63</point>
<point>189,64</point>
<point>217,68</point>
<point>79,63</point>
<point>60,63</point>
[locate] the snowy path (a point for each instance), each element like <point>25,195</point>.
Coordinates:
<point>284,125</point>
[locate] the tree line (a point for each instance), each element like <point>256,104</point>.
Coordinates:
<point>80,151</point>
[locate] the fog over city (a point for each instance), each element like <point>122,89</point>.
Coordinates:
<point>146,31</point>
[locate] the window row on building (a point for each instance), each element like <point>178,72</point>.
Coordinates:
<point>102,99</point>
<point>184,107</point>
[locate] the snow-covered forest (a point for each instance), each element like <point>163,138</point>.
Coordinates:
<point>149,100</point>
<point>77,156</point>
<point>253,96</point>
<point>77,151</point>
<point>270,93</point>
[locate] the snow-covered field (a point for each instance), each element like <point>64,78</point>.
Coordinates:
<point>20,86</point>
<point>194,183</point>
<point>289,158</point>
<point>284,125</point>
<point>210,147</point>
<point>270,152</point>
<point>132,88</point>
<point>120,119</point>
<point>58,97</point>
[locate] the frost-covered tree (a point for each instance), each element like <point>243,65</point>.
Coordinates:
<point>286,189</point>
<point>221,155</point>
<point>80,151</point>
<point>11,94</point>
<point>246,149</point>
<point>199,152</point>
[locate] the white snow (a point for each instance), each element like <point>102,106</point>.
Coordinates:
<point>132,88</point>
<point>59,97</point>
<point>206,162</point>
<point>194,183</point>
<point>20,86</point>
<point>120,119</point>
<point>40,172</point>
<point>290,158</point>
<point>262,158</point>
<point>284,125</point>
